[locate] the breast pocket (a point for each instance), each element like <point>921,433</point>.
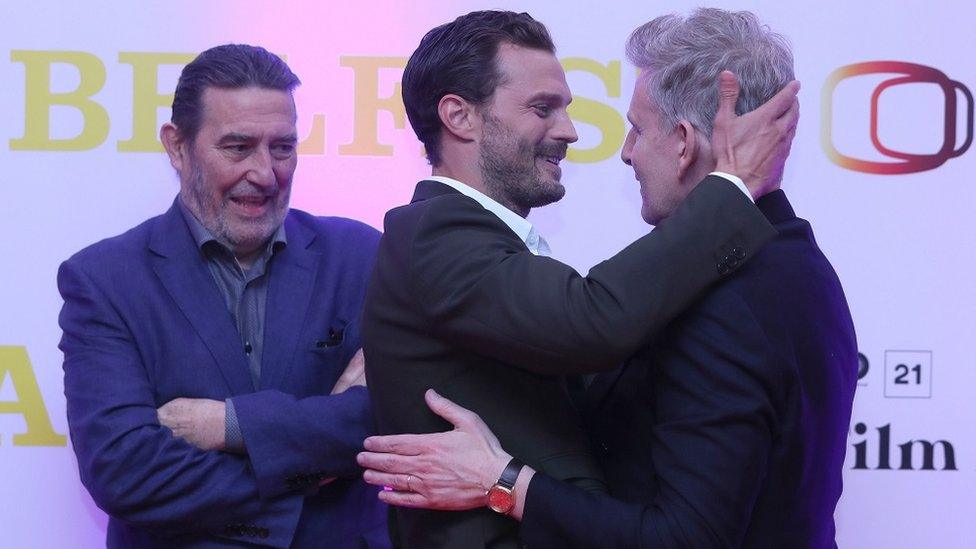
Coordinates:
<point>330,351</point>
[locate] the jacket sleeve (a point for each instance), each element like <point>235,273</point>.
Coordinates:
<point>718,392</point>
<point>134,468</point>
<point>480,288</point>
<point>296,443</point>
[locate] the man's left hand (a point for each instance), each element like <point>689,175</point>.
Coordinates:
<point>199,421</point>
<point>444,471</point>
<point>353,376</point>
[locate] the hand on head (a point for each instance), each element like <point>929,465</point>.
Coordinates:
<point>755,146</point>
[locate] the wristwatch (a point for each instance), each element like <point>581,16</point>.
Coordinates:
<point>501,496</point>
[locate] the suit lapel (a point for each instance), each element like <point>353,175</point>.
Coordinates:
<point>183,271</point>
<point>292,278</point>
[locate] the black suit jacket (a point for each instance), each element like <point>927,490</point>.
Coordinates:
<point>729,430</point>
<point>457,303</point>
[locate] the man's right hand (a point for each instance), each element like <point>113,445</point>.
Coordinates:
<point>754,146</point>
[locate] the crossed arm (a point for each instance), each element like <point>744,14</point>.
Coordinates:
<point>202,422</point>
<point>133,465</point>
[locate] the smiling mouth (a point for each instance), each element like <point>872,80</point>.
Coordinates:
<point>251,204</point>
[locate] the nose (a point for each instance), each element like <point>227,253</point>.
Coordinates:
<point>628,147</point>
<point>261,172</point>
<point>564,130</point>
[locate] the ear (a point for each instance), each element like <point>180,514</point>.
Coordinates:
<point>688,148</point>
<point>175,146</point>
<point>458,117</point>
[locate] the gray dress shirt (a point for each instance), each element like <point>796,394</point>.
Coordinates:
<point>246,296</point>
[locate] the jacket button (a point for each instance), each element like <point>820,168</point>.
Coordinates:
<point>739,253</point>
<point>723,269</point>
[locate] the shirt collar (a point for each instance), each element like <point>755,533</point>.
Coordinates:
<point>518,224</point>
<point>202,236</point>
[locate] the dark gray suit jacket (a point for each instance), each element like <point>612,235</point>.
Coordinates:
<point>730,430</point>
<point>457,303</point>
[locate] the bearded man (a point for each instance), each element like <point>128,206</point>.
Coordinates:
<point>204,350</point>
<point>463,298</point>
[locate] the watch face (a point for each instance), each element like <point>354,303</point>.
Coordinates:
<point>500,499</point>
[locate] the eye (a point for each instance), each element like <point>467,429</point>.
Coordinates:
<point>237,148</point>
<point>283,150</point>
<point>542,110</point>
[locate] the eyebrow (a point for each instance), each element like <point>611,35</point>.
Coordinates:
<point>235,137</point>
<point>550,98</point>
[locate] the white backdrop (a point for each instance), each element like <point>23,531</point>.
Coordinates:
<point>79,167</point>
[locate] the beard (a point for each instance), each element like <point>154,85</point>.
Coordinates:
<point>509,169</point>
<point>213,210</point>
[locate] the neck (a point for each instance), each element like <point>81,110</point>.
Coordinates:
<point>477,183</point>
<point>466,176</point>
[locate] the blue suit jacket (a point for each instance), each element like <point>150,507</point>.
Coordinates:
<point>730,430</point>
<point>144,323</point>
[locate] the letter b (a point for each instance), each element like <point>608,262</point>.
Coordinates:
<point>39,99</point>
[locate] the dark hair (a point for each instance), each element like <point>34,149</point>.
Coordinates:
<point>229,66</point>
<point>460,58</point>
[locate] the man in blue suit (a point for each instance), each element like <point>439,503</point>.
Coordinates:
<point>729,429</point>
<point>204,348</point>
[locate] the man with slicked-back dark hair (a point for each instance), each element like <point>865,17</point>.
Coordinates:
<point>463,298</point>
<point>205,350</point>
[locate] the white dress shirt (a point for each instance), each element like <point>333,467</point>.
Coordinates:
<point>519,225</point>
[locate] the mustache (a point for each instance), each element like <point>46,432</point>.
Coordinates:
<point>247,190</point>
<point>557,150</point>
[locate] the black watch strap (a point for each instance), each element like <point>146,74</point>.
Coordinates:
<point>511,473</point>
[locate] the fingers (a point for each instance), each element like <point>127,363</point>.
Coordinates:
<point>782,103</point>
<point>387,464</point>
<point>789,119</point>
<point>354,374</point>
<point>404,499</point>
<point>401,482</point>
<point>357,362</point>
<point>455,414</point>
<point>728,95</point>
<point>404,445</point>
<point>174,404</point>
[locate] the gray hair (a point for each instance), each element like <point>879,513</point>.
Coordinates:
<point>686,54</point>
